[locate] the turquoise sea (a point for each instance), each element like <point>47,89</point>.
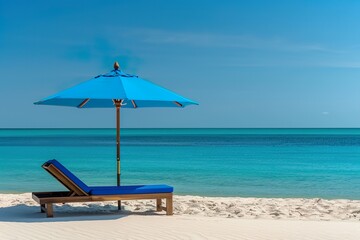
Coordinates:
<point>208,162</point>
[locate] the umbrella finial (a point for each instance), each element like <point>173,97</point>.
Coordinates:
<point>116,66</point>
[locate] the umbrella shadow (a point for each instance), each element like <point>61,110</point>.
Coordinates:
<point>65,213</point>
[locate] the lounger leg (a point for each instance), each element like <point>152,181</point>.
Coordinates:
<point>169,205</point>
<point>49,210</point>
<point>42,207</point>
<point>158,205</point>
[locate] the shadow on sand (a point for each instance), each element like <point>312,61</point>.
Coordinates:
<point>65,213</point>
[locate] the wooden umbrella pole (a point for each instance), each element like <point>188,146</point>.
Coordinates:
<point>118,106</point>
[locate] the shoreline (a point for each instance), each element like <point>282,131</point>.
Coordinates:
<point>211,196</point>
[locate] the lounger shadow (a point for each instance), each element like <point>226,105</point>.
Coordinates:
<point>80,192</point>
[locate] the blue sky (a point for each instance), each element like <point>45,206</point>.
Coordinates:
<point>248,63</point>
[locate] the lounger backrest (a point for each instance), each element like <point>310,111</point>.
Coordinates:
<point>67,178</point>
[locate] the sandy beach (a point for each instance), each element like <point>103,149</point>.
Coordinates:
<point>194,218</point>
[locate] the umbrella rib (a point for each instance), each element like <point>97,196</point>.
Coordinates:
<point>179,104</point>
<point>83,103</point>
<point>133,103</point>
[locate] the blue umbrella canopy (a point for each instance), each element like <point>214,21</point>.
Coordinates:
<point>103,90</point>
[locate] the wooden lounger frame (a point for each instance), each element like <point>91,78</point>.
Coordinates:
<point>76,194</point>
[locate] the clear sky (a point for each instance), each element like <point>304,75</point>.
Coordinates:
<point>248,63</point>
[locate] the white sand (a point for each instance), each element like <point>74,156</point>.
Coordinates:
<point>194,218</point>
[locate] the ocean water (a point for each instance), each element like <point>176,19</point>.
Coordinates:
<point>208,162</point>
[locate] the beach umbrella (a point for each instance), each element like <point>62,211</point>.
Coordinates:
<point>116,89</point>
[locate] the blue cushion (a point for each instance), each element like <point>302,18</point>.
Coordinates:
<point>68,174</point>
<point>136,189</point>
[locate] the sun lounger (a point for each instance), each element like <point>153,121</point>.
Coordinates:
<point>80,192</point>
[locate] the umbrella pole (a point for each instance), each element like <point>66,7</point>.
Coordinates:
<point>118,105</point>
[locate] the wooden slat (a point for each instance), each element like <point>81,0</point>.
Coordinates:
<point>133,103</point>
<point>83,103</point>
<point>129,196</point>
<point>179,104</point>
<point>68,183</point>
<point>35,198</point>
<point>66,199</point>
